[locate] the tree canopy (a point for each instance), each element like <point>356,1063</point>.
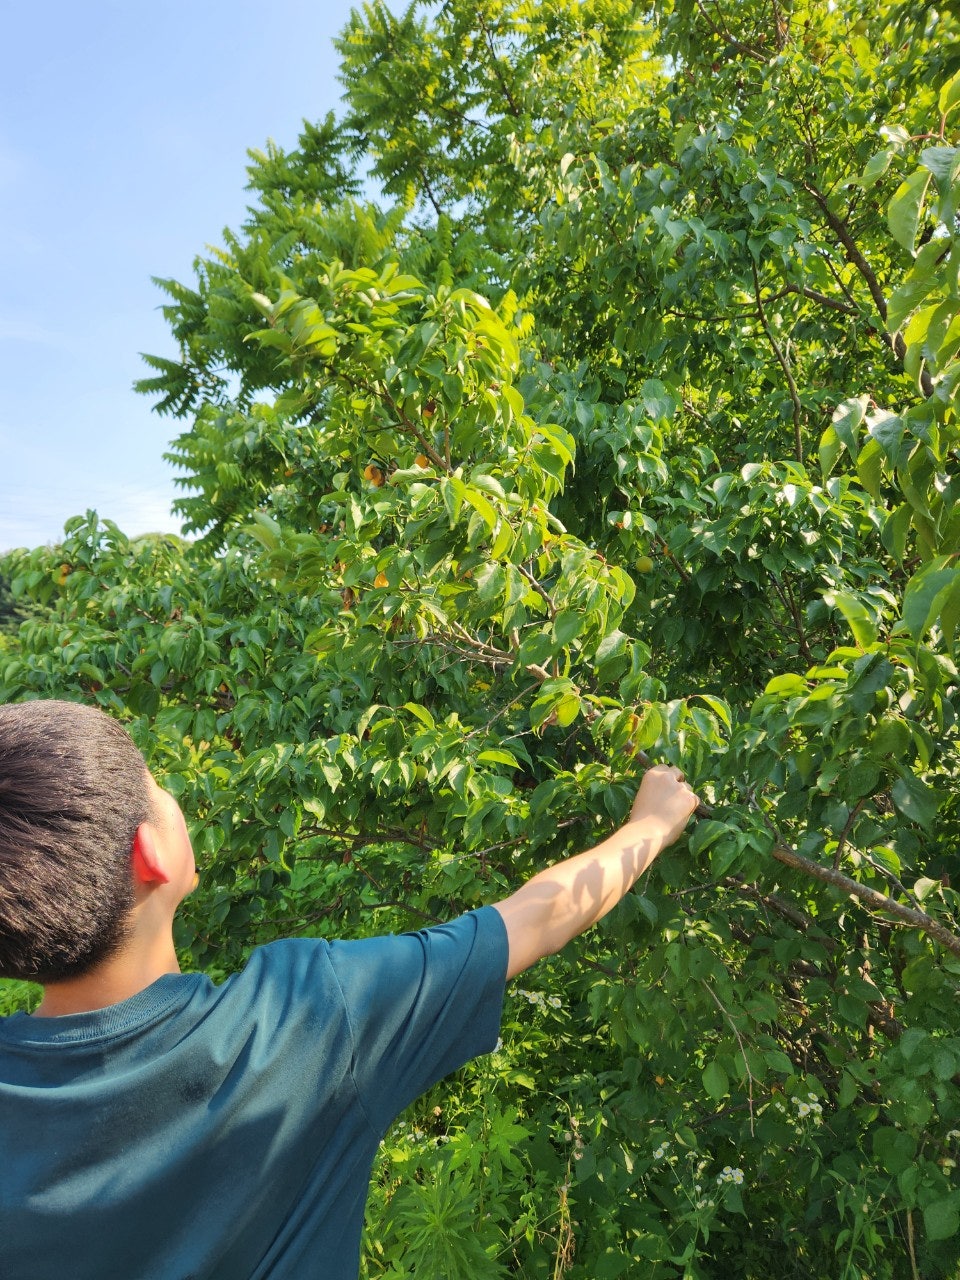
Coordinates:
<point>619,423</point>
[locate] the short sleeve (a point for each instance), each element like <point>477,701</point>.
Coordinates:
<point>420,1005</point>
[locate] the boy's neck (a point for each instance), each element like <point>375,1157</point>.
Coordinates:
<point>118,978</point>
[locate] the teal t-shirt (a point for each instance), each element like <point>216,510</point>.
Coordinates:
<point>197,1132</point>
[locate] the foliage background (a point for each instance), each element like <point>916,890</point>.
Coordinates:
<point>621,424</point>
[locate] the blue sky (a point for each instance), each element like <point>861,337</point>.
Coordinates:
<point>123,137</point>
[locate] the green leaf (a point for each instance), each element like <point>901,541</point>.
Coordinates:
<point>568,708</point>
<point>847,418</point>
<point>705,833</point>
<point>915,800</point>
<point>649,727</point>
<point>848,1091</point>
<point>870,468</point>
<point>925,593</point>
<point>893,1149</point>
<point>830,449</point>
<point>941,1218</point>
<point>789,683</point>
<point>949,94</point>
<point>482,506</point>
<point>454,491</point>
<point>724,853</point>
<point>567,625</point>
<point>903,213</point>
<point>503,541</point>
<point>893,535</point>
<point>715,1081</point>
<point>950,615</point>
<point>857,615</point>
<point>490,582</point>
<point>943,163</point>
<point>421,713</point>
<point>909,296</point>
<point>720,708</point>
<point>496,755</point>
<point>876,167</point>
<point>887,429</point>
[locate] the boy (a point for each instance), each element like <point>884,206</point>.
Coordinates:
<point>154,1125</point>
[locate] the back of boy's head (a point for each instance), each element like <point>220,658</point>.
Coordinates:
<point>73,790</point>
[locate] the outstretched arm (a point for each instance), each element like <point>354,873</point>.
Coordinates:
<point>565,899</point>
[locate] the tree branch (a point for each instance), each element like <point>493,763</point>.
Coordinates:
<point>870,897</point>
<point>784,365</point>
<point>842,231</point>
<point>911,916</point>
<point>495,62</point>
<point>724,34</point>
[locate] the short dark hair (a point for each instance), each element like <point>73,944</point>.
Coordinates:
<point>73,790</point>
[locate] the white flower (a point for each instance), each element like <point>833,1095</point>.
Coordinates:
<point>954,1133</point>
<point>812,1097</point>
<point>554,1002</point>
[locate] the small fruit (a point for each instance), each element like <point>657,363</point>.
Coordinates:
<point>429,408</point>
<point>422,460</point>
<point>380,580</point>
<point>373,473</point>
<point>644,564</point>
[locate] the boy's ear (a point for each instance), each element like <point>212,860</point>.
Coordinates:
<point>148,866</point>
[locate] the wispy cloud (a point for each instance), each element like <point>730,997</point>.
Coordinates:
<point>25,330</point>
<point>34,519</point>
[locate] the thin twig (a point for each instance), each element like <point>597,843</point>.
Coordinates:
<point>495,62</point>
<point>743,1052</point>
<point>847,826</point>
<point>724,34</point>
<point>674,561</point>
<point>894,341</point>
<point>915,1274</point>
<point>540,590</point>
<point>784,365</point>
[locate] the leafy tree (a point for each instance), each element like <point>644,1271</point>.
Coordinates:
<point>630,428</point>
<point>8,609</point>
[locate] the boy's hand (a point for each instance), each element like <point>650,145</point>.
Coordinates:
<point>664,802</point>
<point>563,900</point>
